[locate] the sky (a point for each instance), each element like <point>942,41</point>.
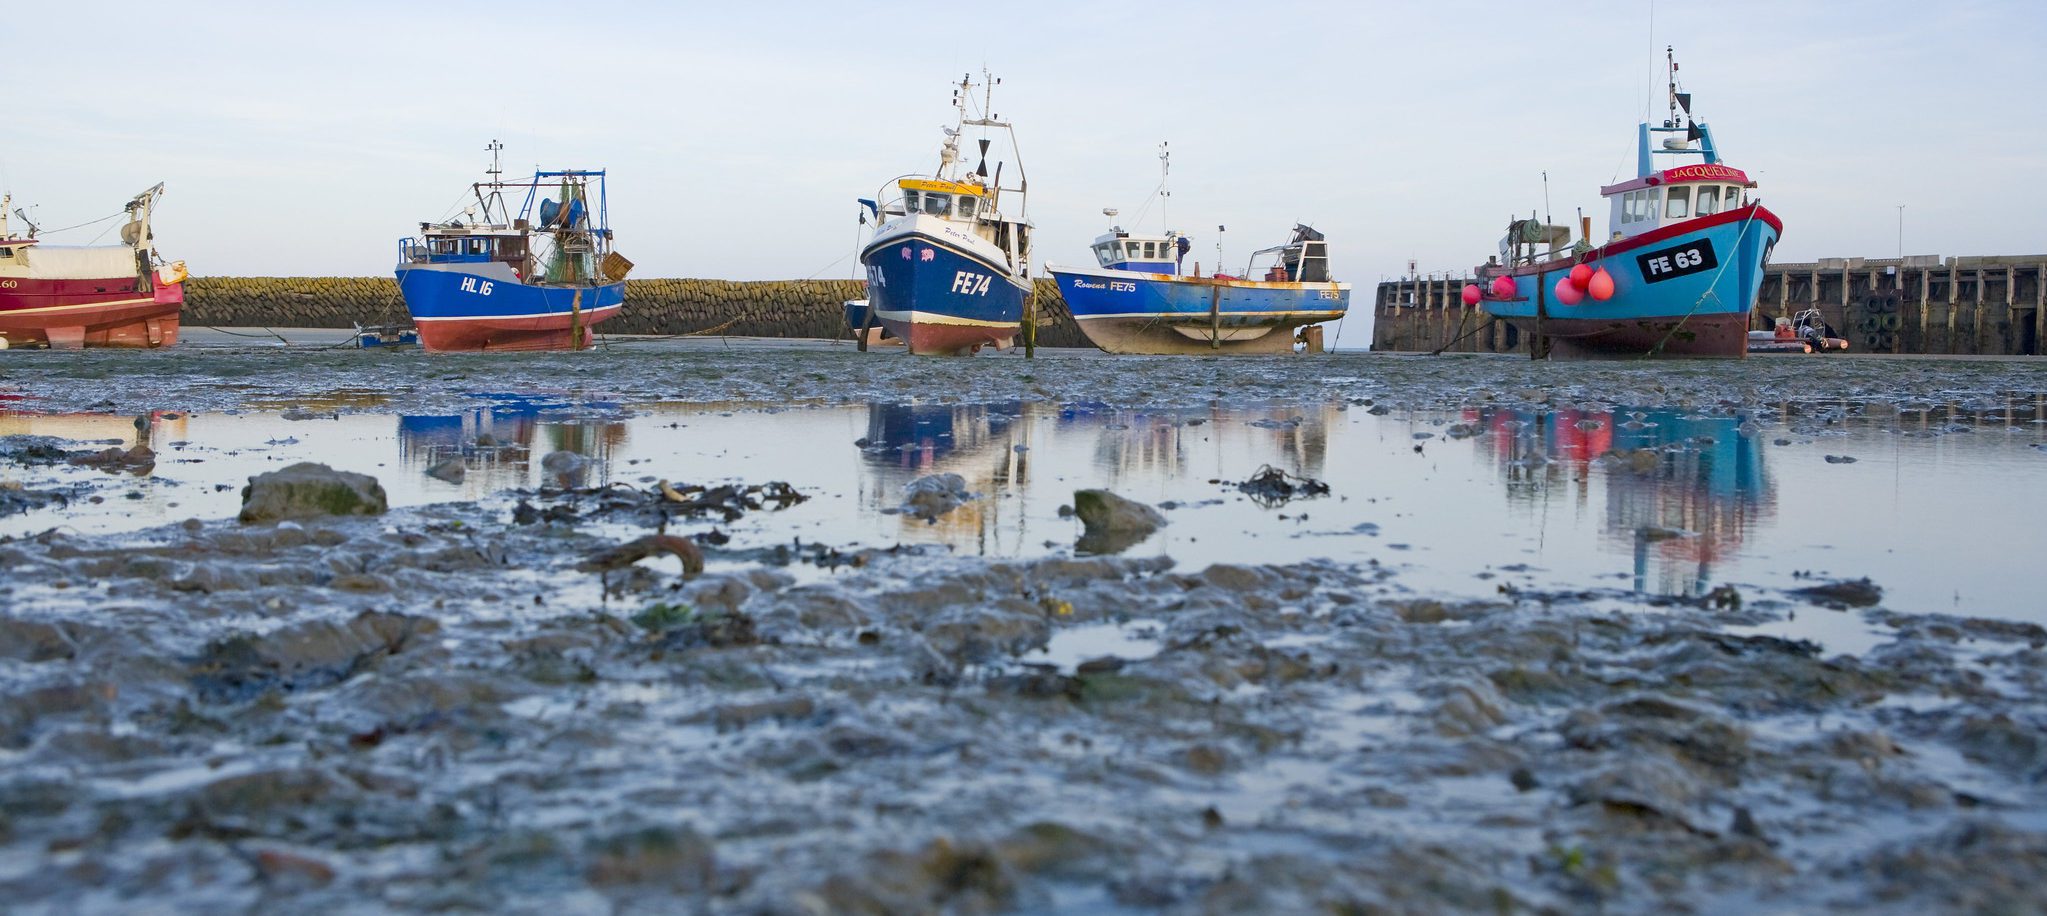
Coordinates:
<point>306,139</point>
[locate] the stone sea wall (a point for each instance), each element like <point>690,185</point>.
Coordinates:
<point>772,308</point>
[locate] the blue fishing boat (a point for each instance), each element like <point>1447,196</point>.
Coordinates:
<point>539,281</point>
<point>1677,275</point>
<point>948,271</point>
<point>1138,300</point>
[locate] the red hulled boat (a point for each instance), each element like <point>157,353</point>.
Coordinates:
<point>96,296</point>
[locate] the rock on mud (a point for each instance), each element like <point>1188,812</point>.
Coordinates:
<point>1114,524</point>
<point>1845,594</point>
<point>308,490</point>
<point>930,497</point>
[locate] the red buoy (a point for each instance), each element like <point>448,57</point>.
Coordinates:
<point>1472,294</point>
<point>1568,294</point>
<point>1581,275</point>
<point>1601,285</point>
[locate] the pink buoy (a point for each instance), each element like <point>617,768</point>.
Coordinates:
<point>1472,294</point>
<point>1581,275</point>
<point>1601,285</point>
<point>1503,287</point>
<point>1568,294</point>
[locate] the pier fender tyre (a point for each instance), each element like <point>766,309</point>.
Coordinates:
<point>1889,322</point>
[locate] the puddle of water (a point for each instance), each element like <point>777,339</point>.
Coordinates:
<point>1682,501</point>
<point>1133,640</point>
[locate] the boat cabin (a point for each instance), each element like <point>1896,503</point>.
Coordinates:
<point>966,203</point>
<point>1153,254</point>
<point>454,243</point>
<point>1662,197</point>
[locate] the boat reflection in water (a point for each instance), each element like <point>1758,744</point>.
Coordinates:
<point>977,442</point>
<point>1682,490</point>
<point>1147,455</point>
<point>500,446</point>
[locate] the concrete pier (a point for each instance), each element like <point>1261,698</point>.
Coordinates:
<point>1984,305</point>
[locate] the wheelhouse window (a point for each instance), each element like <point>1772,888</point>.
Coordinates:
<point>1680,205</point>
<point>1733,198</point>
<point>968,205</point>
<point>1151,251</point>
<point>936,204</point>
<point>1105,253</point>
<point>1129,251</point>
<point>909,201</point>
<point>479,246</point>
<point>1709,199</point>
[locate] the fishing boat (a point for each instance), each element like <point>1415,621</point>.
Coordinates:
<point>67,297</point>
<point>948,271</point>
<point>1677,274</point>
<point>1138,300</point>
<point>542,280</point>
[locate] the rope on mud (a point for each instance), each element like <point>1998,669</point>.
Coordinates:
<point>266,333</point>
<point>1460,324</point>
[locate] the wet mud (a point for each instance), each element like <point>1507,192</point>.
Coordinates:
<point>676,685</point>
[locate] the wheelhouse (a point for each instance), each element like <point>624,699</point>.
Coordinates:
<point>965,203</point>
<point>1119,250</point>
<point>1667,196</point>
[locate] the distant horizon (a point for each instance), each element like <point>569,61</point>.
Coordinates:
<point>738,139</point>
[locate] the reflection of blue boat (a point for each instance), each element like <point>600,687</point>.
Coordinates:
<point>1137,300</point>
<point>921,435</point>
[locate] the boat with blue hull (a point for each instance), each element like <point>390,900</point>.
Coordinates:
<point>948,272</point>
<point>1138,301</point>
<point>539,281</point>
<point>1678,274</point>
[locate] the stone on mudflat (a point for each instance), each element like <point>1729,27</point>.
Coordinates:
<point>1113,523</point>
<point>308,490</point>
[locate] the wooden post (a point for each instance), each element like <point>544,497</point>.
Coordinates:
<point>866,325</point>
<point>1215,317</point>
<point>576,320</point>
<point>1030,323</point>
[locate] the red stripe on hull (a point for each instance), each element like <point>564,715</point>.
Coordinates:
<point>542,332</point>
<point>1721,336</point>
<point>78,313</point>
<point>951,339</point>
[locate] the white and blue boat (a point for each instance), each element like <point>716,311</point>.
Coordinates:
<point>1677,274</point>
<point>1138,300</point>
<point>948,270</point>
<point>539,281</point>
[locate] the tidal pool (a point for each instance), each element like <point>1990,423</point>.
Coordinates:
<point>1655,499</point>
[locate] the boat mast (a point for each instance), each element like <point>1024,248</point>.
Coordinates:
<point>1165,169</point>
<point>495,184</point>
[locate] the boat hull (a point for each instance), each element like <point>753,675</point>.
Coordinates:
<point>458,310</point>
<point>1687,290</point>
<point>939,298</point>
<point>112,312</point>
<point>1129,312</point>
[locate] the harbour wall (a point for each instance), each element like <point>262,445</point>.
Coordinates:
<point>1992,305</point>
<point>770,308</point>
